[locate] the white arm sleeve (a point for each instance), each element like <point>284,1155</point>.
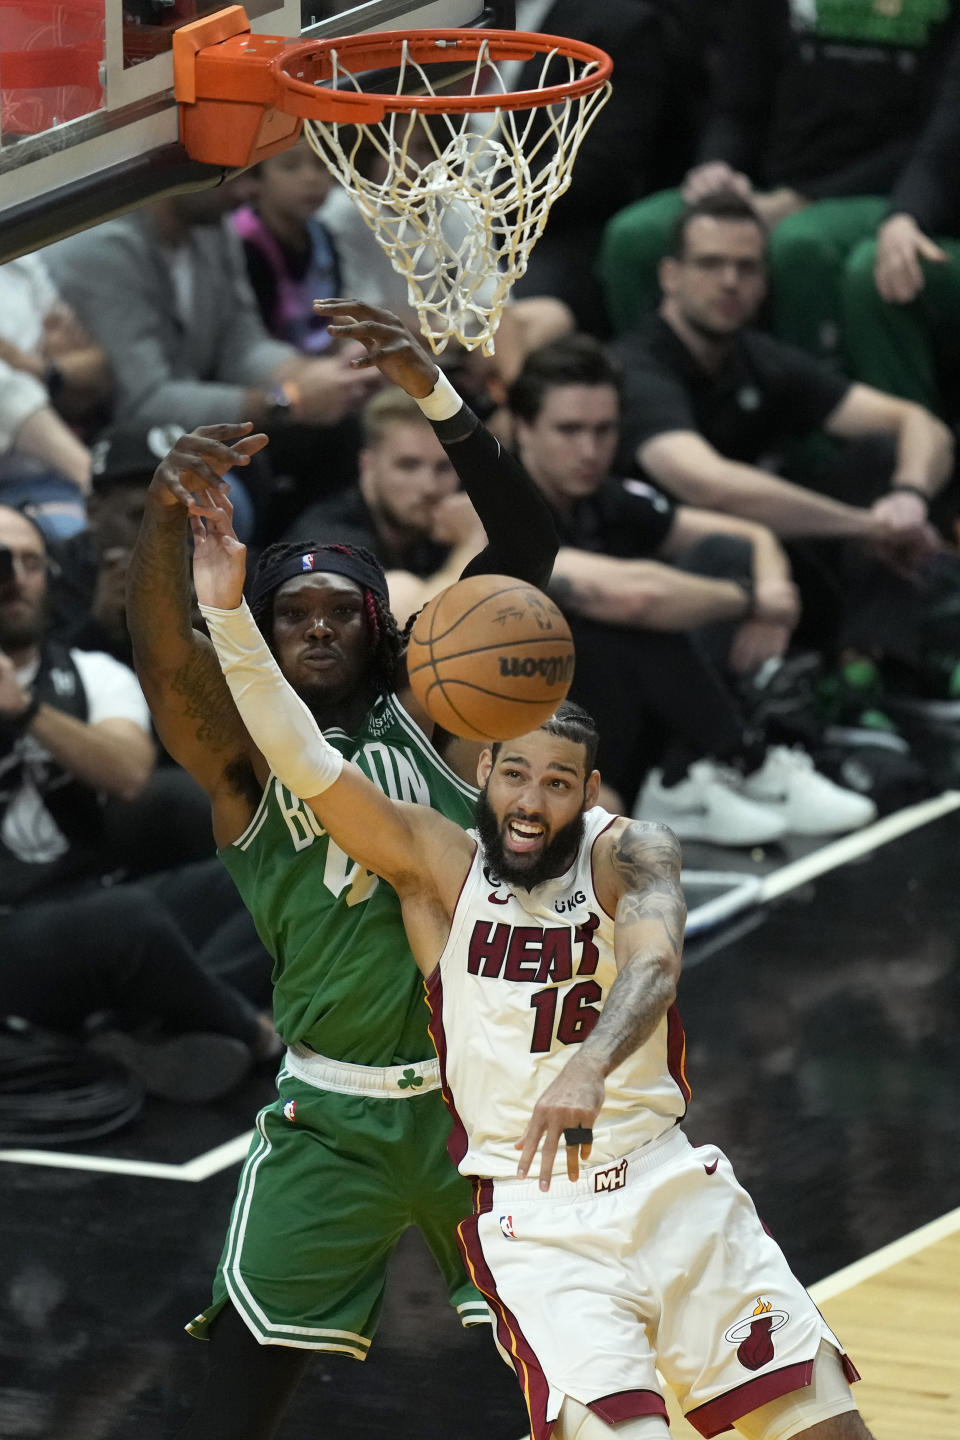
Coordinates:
<point>278,722</point>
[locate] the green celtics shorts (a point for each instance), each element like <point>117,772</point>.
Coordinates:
<point>333,1178</point>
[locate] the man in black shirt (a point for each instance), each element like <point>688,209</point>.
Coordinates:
<point>821,116</point>
<point>637,619</point>
<point>711,403</point>
<point>713,407</point>
<point>620,537</point>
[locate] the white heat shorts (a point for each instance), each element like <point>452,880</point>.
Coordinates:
<point>657,1263</point>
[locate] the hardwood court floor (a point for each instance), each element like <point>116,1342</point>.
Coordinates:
<point>823,1052</point>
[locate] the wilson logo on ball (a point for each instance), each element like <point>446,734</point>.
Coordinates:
<point>555,669</point>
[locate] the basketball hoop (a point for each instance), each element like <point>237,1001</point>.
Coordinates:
<point>464,182</point>
<point>456,187</point>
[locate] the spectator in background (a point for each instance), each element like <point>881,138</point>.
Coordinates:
<point>167,826</point>
<point>901,291</point>
<point>87,601</point>
<point>291,259</point>
<point>637,621</point>
<point>88,591</point>
<point>53,382</point>
<point>632,145</point>
<point>628,554</point>
<point>819,116</point>
<point>165,291</point>
<point>711,402</point>
<point>74,735</point>
<point>406,508</point>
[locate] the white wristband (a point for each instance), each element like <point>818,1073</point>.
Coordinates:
<point>443,402</point>
<point>277,720</point>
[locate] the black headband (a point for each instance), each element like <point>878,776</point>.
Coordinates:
<point>336,559</point>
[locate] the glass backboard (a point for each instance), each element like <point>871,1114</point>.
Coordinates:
<point>88,122</point>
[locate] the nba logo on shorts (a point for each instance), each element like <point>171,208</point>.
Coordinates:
<point>306,562</point>
<point>290,1110</point>
<point>506,1225</point>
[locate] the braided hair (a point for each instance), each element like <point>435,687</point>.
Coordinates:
<point>280,561</point>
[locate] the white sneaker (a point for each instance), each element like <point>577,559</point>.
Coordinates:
<point>808,802</point>
<point>708,805</point>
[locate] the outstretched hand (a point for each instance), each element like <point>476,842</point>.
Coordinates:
<point>219,559</point>
<point>196,465</point>
<point>390,346</point>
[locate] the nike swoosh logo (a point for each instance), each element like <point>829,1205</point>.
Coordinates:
<point>710,1168</point>
<point>495,899</point>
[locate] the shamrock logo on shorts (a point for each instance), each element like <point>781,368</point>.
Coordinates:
<point>410,1080</point>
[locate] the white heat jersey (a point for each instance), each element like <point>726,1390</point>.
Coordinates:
<point>520,982</point>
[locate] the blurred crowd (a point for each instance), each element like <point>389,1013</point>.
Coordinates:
<point>732,368</point>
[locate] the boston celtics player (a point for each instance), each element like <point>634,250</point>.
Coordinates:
<point>353,1150</point>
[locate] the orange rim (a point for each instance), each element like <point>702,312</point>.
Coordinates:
<point>312,60</point>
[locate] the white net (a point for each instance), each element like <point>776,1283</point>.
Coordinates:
<point>457,201</point>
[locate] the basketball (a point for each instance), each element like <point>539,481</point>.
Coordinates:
<point>490,658</point>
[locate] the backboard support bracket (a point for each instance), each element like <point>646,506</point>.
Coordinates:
<point>227,97</point>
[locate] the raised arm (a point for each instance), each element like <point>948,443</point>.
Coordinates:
<point>178,670</point>
<point>407,845</point>
<point>521,536</point>
<point>638,870</point>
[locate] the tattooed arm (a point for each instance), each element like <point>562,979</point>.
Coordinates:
<point>642,866</point>
<point>638,871</point>
<point>181,677</point>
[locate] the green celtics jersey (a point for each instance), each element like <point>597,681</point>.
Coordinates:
<point>344,980</point>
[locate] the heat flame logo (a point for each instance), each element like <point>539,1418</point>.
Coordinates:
<point>753,1335</point>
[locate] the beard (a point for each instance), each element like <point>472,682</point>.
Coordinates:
<point>23,631</point>
<point>412,527</point>
<point>525,871</point>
